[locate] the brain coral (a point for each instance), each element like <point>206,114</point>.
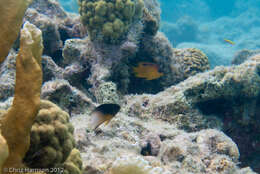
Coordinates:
<point>51,137</point>
<point>109,20</point>
<point>191,61</point>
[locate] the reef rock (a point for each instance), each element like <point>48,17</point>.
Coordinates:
<point>56,25</point>
<point>50,69</point>
<point>119,147</point>
<point>67,97</point>
<point>226,98</point>
<point>243,55</point>
<point>7,76</point>
<point>201,91</point>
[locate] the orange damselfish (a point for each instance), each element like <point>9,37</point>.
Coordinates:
<point>147,70</point>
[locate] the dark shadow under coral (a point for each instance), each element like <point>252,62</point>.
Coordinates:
<point>245,133</point>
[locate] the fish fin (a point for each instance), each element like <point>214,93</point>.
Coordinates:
<point>108,119</point>
<point>97,118</point>
<point>106,122</point>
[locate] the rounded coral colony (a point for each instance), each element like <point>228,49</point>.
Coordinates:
<point>51,137</point>
<point>109,20</point>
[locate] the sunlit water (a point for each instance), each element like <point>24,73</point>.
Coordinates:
<point>204,24</point>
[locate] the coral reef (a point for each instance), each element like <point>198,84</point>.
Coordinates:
<point>52,41</point>
<point>7,76</point>
<point>56,25</point>
<point>220,83</point>
<point>175,64</point>
<point>87,64</point>
<point>150,24</point>
<point>191,61</point>
<point>50,69</point>
<point>51,137</point>
<point>73,164</point>
<point>118,148</point>
<point>67,97</point>
<point>133,165</point>
<point>212,51</point>
<point>109,20</point>
<point>226,98</point>
<point>151,145</point>
<point>16,123</point>
<point>4,152</point>
<point>74,51</point>
<point>183,127</point>
<point>107,93</point>
<point>243,55</point>
<point>193,152</point>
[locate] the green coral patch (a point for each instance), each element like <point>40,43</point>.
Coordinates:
<point>108,20</point>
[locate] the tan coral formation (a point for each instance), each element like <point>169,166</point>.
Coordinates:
<point>51,137</point>
<point>192,61</point>
<point>73,164</point>
<point>12,12</point>
<point>4,152</point>
<point>17,122</point>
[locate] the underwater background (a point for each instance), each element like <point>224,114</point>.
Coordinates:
<point>204,24</point>
<point>175,82</point>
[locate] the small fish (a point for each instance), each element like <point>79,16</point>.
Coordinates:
<point>229,41</point>
<point>147,70</point>
<point>103,114</point>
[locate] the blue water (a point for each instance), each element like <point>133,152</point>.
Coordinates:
<point>204,24</point>
<point>70,5</point>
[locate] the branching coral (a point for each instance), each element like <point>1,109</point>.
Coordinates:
<point>12,12</point>
<point>17,122</point>
<point>109,20</point>
<point>51,137</point>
